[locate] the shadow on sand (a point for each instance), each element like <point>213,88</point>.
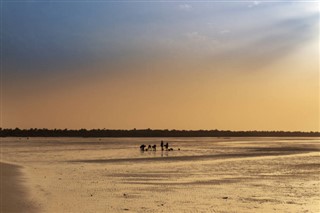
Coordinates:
<point>14,196</point>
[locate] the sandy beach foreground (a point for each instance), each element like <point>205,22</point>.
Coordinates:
<point>207,175</point>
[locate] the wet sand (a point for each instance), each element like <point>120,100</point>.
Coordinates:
<point>207,175</point>
<point>14,196</point>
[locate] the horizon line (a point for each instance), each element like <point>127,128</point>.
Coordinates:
<point>151,129</point>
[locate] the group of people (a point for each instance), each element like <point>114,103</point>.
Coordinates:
<point>150,148</point>
<point>154,147</point>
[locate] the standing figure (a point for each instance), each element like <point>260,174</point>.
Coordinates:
<point>167,146</point>
<point>161,145</point>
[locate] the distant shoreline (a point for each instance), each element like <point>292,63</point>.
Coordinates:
<point>101,133</point>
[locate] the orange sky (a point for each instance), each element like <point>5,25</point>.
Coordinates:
<point>261,75</point>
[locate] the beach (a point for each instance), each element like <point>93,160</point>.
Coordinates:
<point>206,175</point>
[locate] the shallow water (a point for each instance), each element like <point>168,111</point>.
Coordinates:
<point>128,148</point>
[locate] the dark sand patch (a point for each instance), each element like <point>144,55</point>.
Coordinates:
<point>189,183</point>
<point>13,195</point>
<point>286,149</point>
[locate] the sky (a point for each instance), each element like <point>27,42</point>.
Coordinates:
<point>229,65</point>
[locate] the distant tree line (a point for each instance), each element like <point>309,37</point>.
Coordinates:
<point>33,132</point>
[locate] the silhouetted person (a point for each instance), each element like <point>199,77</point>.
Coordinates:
<point>166,146</point>
<point>161,145</point>
<point>149,148</point>
<point>142,147</point>
<point>154,147</point>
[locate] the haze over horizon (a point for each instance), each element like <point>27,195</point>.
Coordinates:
<point>238,65</point>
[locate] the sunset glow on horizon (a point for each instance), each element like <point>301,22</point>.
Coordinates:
<point>161,65</point>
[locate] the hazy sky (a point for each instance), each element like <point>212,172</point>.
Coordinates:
<point>239,65</point>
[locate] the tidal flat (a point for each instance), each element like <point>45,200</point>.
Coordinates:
<point>206,175</point>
